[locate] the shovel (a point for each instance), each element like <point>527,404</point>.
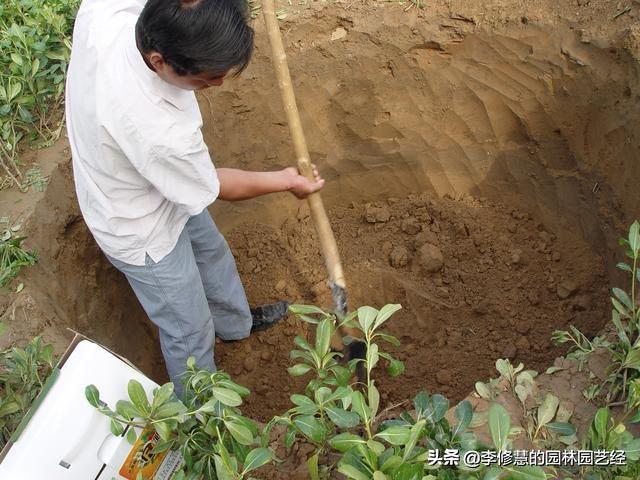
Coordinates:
<point>318,214</point>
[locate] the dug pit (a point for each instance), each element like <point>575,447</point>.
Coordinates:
<point>480,181</point>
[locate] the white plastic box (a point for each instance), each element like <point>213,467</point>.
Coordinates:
<point>63,437</point>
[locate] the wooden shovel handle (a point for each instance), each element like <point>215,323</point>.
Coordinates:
<point>318,213</point>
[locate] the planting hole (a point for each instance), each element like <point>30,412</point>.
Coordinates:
<point>482,184</point>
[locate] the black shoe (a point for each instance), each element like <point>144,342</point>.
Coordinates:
<point>266,316</point>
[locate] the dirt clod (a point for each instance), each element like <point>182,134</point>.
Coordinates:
<point>399,257</point>
<point>411,226</point>
<point>443,377</point>
<point>523,345</point>
<point>281,286</point>
<point>516,256</point>
<point>376,214</point>
<point>250,363</point>
<point>566,288</point>
<point>509,351</point>
<point>523,327</point>
<point>430,258</point>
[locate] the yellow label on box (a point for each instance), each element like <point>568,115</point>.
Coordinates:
<point>142,461</point>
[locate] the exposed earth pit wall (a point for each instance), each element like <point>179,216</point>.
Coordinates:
<point>501,168</point>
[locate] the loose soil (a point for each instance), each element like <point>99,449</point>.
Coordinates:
<point>481,160</point>
<point>478,281</point>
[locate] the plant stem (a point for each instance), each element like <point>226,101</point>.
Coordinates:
<point>633,290</point>
<point>11,176</point>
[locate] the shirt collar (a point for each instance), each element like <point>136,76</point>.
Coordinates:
<point>177,97</point>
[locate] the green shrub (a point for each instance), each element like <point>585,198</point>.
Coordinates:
<point>34,54</point>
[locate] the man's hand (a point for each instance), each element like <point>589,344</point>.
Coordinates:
<point>301,186</point>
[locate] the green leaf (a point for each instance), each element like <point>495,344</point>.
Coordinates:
<point>408,471</point>
<point>360,406</point>
<point>299,369</point>
<point>226,396</point>
<point>391,464</point>
<point>239,432</point>
<point>492,474</point>
<point>634,238</point>
<point>372,356</point>
<point>342,418</point>
<point>547,410</point>
<point>438,407</point>
<point>321,394</point>
<point>395,435</point>
<point>623,297</point>
<point>9,408</point>
<point>421,404</point>
<point>290,437</point>
<point>132,436</point>
<point>464,415</point>
<point>350,471</point>
<point>600,421</point>
<point>312,466</point>
<point>239,389</point>
<point>562,428</point>
<point>93,395</point>
<point>632,450</point>
<point>17,59</point>
<point>385,313</point>
<point>525,473</point>
<point>161,395</point>
<point>138,396</point>
<point>209,407</point>
<point>302,343</point>
<point>620,308</point>
<point>388,338</point>
<point>191,363</point>
<point>374,399</point>
<point>164,430</point>
<point>35,66</point>
<point>256,458</point>
<point>126,409</point>
<point>323,336</point>
<point>367,317</point>
<point>624,267</point>
<point>342,374</point>
<point>306,310</point>
<point>170,409</point>
<point>396,367</point>
<point>14,90</point>
<point>499,425</point>
<point>414,436</point>
<point>116,427</point>
<point>483,390</point>
<point>305,405</point>
<point>344,442</point>
<point>376,447</point>
<point>311,427</point>
<point>223,470</point>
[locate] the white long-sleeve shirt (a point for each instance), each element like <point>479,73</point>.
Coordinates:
<point>140,164</point>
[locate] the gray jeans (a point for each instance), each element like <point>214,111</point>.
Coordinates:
<point>193,295</point>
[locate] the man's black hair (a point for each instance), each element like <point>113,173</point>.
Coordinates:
<point>197,36</point>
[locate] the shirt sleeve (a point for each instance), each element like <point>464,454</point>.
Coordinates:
<point>183,172</point>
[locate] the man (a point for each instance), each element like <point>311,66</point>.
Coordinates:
<point>143,174</point>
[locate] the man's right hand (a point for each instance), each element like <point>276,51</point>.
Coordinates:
<point>301,186</point>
